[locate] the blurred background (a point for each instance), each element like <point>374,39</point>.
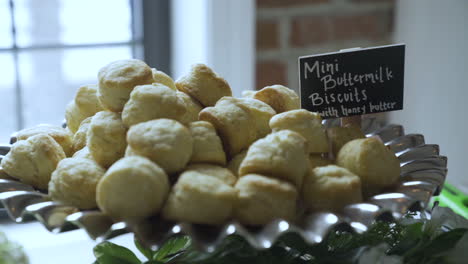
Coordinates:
<point>49,48</point>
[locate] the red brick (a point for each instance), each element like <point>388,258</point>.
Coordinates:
<point>286,3</point>
<point>271,72</point>
<point>309,30</point>
<point>267,35</point>
<point>358,26</point>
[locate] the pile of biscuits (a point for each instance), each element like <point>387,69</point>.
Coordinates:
<point>139,144</point>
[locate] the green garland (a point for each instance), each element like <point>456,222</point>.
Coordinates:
<point>413,239</point>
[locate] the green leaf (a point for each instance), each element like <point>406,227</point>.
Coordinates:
<point>148,253</point>
<point>110,253</point>
<point>171,248</point>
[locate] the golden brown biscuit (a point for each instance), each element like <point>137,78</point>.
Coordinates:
<point>163,78</point>
<point>74,117</point>
<point>279,97</point>
<point>261,114</point>
<point>106,138</point>
<point>233,122</point>
<point>33,160</point>
<point>4,175</point>
<point>132,189</point>
<point>200,199</point>
<point>86,100</point>
<point>248,94</point>
<point>262,199</point>
<point>79,139</point>
<point>164,141</point>
<point>192,108</point>
<point>281,155</point>
<point>339,136</point>
<point>207,146</point>
<point>74,182</point>
<point>331,188</point>
<point>216,171</point>
<point>59,134</point>
<point>117,80</point>
<point>372,161</point>
<point>204,85</point>
<point>306,123</point>
<point>148,102</point>
<point>236,161</point>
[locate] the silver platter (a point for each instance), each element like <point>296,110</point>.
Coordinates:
<point>423,172</point>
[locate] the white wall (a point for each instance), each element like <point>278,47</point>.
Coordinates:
<point>436,86</point>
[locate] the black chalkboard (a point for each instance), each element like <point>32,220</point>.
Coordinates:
<point>355,82</point>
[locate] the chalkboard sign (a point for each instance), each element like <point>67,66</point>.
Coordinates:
<point>353,82</point>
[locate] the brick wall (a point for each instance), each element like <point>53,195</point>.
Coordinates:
<point>287,29</point>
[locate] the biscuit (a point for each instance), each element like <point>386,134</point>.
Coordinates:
<point>233,122</point>
<point>204,85</point>
<point>331,188</point>
<point>74,117</point>
<point>223,174</point>
<point>236,161</point>
<point>317,160</point>
<point>86,100</point>
<point>279,97</point>
<point>200,199</point>
<point>132,189</point>
<point>148,102</point>
<point>106,138</point>
<point>33,160</point>
<point>163,78</point>
<point>281,155</point>
<point>164,141</point>
<point>192,108</point>
<point>83,153</point>
<point>117,80</point>
<point>79,139</point>
<point>372,161</point>
<point>307,124</point>
<point>261,114</point>
<point>262,199</point>
<point>248,94</point>
<point>74,182</point>
<point>339,136</point>
<point>59,134</point>
<point>207,146</point>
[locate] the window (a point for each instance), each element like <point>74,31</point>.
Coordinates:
<point>49,48</point>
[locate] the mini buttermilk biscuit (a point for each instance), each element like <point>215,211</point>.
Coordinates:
<point>204,85</point>
<point>233,122</point>
<point>280,155</point>
<point>307,124</point>
<point>148,102</point>
<point>83,153</point>
<point>261,114</point>
<point>59,134</point>
<point>207,146</point>
<point>132,189</point>
<point>279,97</point>
<point>317,160</point>
<point>164,141</point>
<point>236,161</point>
<point>223,174</point>
<point>33,160</point>
<point>106,138</point>
<point>84,104</point>
<point>262,199</point>
<point>200,199</point>
<point>192,108</point>
<point>117,80</point>
<point>163,78</point>
<point>74,182</point>
<point>331,188</point>
<point>339,136</point>
<point>248,94</point>
<point>79,139</point>
<point>372,161</point>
